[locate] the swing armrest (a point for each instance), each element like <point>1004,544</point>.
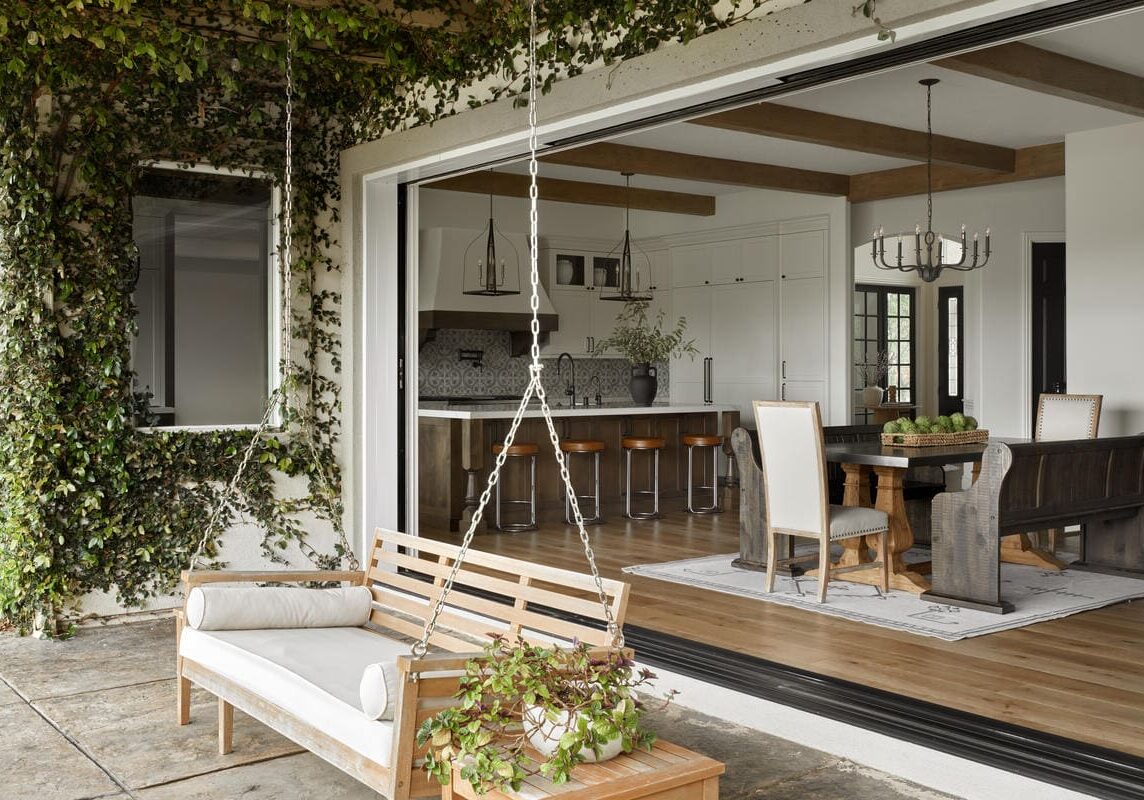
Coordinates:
<point>200,577</point>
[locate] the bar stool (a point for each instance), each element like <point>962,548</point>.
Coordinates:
<point>527,450</point>
<point>588,447</point>
<point>644,443</point>
<point>691,441</point>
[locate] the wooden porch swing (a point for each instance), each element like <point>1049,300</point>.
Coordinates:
<point>447,597</point>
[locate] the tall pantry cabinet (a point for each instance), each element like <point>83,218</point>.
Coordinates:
<point>755,303</point>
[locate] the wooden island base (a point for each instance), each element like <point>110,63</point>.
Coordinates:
<point>668,772</point>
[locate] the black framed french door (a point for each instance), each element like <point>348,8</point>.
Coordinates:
<point>950,349</point>
<point>885,321</point>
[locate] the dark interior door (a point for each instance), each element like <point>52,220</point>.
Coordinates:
<point>951,349</point>
<point>1048,319</point>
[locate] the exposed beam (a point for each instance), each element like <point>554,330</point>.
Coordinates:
<point>505,184</point>
<point>1042,161</point>
<point>667,164</point>
<point>786,122</point>
<point>1051,73</point>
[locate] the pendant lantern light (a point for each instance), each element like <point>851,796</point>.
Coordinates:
<point>629,278</point>
<point>492,263</point>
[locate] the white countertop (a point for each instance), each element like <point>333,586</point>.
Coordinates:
<point>442,410</point>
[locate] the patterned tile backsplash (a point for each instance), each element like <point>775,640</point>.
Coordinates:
<point>441,372</point>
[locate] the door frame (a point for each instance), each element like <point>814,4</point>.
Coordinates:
<point>1025,320</point>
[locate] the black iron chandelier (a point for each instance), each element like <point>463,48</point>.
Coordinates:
<point>490,271</point>
<point>931,250</point>
<point>627,280</point>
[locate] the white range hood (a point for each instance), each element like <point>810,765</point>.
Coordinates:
<point>442,302</point>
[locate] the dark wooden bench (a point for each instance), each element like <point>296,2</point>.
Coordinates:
<point>1098,483</point>
<point>921,485</point>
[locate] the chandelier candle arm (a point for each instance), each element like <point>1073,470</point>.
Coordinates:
<point>930,265</point>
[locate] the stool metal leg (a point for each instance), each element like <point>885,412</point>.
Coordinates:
<point>653,491</point>
<point>532,493</point>
<point>515,527</point>
<point>599,516</point>
<point>714,508</point>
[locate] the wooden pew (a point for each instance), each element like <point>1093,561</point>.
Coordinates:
<point>1098,483</point>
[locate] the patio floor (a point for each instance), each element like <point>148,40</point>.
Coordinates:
<point>94,717</point>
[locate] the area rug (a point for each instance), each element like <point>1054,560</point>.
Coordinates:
<point>1036,594</point>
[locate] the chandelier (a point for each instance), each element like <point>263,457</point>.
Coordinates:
<point>488,271</point>
<point>625,293</point>
<point>932,251</point>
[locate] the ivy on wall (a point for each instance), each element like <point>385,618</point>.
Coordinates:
<point>90,90</point>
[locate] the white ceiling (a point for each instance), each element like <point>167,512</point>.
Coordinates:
<point>964,106</point>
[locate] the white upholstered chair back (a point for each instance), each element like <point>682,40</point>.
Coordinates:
<point>794,470</point>
<point>1067,416</point>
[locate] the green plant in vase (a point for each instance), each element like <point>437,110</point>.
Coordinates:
<point>526,709</point>
<point>645,343</point>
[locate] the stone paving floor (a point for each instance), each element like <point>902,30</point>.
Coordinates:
<point>94,717</point>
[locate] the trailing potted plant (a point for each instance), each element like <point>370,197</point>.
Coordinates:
<point>871,374</point>
<point>645,344</point>
<point>567,706</point>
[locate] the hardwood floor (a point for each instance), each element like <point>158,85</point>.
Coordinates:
<point>1078,677</point>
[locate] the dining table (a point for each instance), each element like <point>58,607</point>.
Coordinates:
<point>890,463</point>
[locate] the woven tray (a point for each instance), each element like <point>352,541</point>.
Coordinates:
<point>935,439</point>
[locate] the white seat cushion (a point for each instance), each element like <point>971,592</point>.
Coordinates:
<point>313,674</point>
<point>847,521</point>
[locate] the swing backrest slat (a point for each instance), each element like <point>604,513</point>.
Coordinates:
<point>492,594</point>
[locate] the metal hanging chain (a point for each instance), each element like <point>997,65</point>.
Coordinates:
<point>535,388</point>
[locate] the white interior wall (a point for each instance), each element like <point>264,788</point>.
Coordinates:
<point>1105,271</point>
<point>464,210</point>
<point>996,297</point>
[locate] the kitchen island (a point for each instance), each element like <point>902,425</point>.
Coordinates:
<point>456,440</point>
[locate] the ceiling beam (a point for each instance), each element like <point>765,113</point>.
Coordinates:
<point>506,184</point>
<point>685,166</point>
<point>1042,161</point>
<point>798,124</point>
<point>1051,73</point>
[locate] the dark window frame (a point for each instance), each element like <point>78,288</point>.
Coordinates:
<point>883,292</point>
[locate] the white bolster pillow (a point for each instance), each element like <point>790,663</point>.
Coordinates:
<point>378,689</point>
<point>231,608</point>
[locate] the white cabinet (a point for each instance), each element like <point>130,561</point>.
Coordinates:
<point>802,311</point>
<point>690,266</point>
<point>578,275</point>
<point>733,326</point>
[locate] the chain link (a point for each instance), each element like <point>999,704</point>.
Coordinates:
<point>535,387</point>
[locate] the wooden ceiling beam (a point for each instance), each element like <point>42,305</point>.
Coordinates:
<point>1044,71</point>
<point>1032,163</point>
<point>506,184</point>
<point>666,164</point>
<point>800,125</point>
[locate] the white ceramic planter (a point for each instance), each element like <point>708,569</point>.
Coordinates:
<point>545,735</point>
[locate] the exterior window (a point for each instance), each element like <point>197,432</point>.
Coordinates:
<point>951,355</point>
<point>205,298</point>
<point>884,321</point>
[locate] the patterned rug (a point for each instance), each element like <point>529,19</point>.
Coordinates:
<point>1036,594</point>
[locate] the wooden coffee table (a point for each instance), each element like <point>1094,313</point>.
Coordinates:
<point>667,772</point>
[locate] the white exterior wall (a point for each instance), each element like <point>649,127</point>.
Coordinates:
<point>1105,272</point>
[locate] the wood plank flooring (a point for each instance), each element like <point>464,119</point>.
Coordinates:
<point>1081,677</point>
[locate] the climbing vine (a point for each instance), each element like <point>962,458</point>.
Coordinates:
<point>90,91</point>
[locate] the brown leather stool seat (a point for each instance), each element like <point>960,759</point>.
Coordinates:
<point>643,443</point>
<point>702,440</point>
<point>518,449</point>
<point>715,442</point>
<point>582,446</point>
<point>528,450</point>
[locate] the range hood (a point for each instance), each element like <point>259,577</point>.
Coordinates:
<point>442,303</point>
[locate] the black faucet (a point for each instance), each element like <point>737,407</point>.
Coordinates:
<point>569,388</point>
<point>599,397</point>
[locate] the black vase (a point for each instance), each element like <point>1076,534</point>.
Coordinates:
<point>644,384</point>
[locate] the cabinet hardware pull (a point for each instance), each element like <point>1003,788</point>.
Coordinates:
<point>784,369</point>
<point>783,395</point>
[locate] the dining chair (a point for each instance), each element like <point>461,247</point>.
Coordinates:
<point>793,459</point>
<point>1066,416</point>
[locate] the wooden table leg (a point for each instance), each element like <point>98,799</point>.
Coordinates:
<point>891,499</point>
<point>856,492</point>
